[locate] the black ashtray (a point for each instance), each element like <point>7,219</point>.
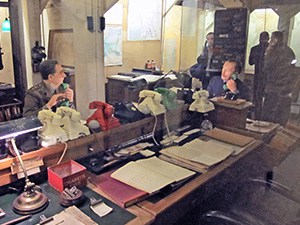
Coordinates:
<point>71,196</point>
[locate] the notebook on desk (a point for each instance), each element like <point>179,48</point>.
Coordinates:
<point>151,175</point>
<point>123,194</point>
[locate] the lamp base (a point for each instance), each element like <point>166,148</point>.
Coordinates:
<point>30,202</point>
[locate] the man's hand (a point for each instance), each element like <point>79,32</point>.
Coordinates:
<point>69,94</point>
<point>231,85</point>
<point>54,99</point>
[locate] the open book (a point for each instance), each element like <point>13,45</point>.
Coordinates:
<point>151,175</point>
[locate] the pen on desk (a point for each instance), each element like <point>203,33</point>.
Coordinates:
<point>15,221</point>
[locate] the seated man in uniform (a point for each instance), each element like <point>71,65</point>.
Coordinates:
<point>228,82</point>
<point>50,92</point>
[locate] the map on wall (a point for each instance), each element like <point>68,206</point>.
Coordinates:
<point>113,45</point>
<point>113,36</point>
<point>144,20</point>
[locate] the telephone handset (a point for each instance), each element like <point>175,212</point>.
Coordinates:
<point>151,103</point>
<point>233,76</point>
<point>229,95</point>
<point>104,115</point>
<point>63,101</point>
<point>169,97</point>
<point>201,103</point>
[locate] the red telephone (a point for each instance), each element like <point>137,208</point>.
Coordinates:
<point>104,115</point>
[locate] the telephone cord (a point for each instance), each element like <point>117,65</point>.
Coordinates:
<point>154,128</point>
<point>167,126</point>
<point>63,154</point>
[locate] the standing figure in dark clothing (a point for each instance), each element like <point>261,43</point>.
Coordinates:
<point>199,70</point>
<point>256,58</point>
<point>279,72</point>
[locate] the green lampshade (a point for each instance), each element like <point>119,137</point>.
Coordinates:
<point>6,25</point>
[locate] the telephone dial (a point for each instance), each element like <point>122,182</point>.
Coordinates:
<point>104,115</point>
<point>201,103</point>
<point>151,103</point>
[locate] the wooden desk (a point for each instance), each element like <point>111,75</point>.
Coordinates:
<point>117,216</point>
<point>228,173</point>
<point>101,141</point>
<point>232,115</point>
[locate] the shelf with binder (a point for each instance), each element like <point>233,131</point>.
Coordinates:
<point>10,110</point>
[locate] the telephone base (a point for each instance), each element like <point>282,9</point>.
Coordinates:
<point>158,110</point>
<point>109,124</point>
<point>52,140</point>
<point>76,133</point>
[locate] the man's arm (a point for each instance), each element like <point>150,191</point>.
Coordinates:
<point>31,105</point>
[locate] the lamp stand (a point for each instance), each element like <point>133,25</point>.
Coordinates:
<point>32,200</point>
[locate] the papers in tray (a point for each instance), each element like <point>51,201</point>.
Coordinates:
<point>151,175</point>
<point>236,149</point>
<point>229,137</point>
<point>198,151</point>
<point>261,126</point>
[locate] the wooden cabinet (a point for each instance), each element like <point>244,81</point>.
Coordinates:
<point>121,91</point>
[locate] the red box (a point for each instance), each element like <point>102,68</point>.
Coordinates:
<point>66,175</point>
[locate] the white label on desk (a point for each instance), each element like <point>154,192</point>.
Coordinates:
<point>29,172</point>
<point>101,209</point>
<point>29,164</point>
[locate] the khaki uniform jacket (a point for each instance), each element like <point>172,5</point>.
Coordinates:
<point>37,97</point>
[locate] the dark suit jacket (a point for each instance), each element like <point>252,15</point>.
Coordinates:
<point>215,88</point>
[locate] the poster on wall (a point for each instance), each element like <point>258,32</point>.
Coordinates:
<point>113,45</point>
<point>144,20</point>
<point>113,36</point>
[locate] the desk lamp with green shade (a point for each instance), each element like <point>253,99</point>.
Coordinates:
<point>32,200</point>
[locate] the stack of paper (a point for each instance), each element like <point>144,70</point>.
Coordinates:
<point>236,149</point>
<point>202,154</point>
<point>151,175</point>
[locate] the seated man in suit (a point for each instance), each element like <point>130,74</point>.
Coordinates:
<point>228,83</point>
